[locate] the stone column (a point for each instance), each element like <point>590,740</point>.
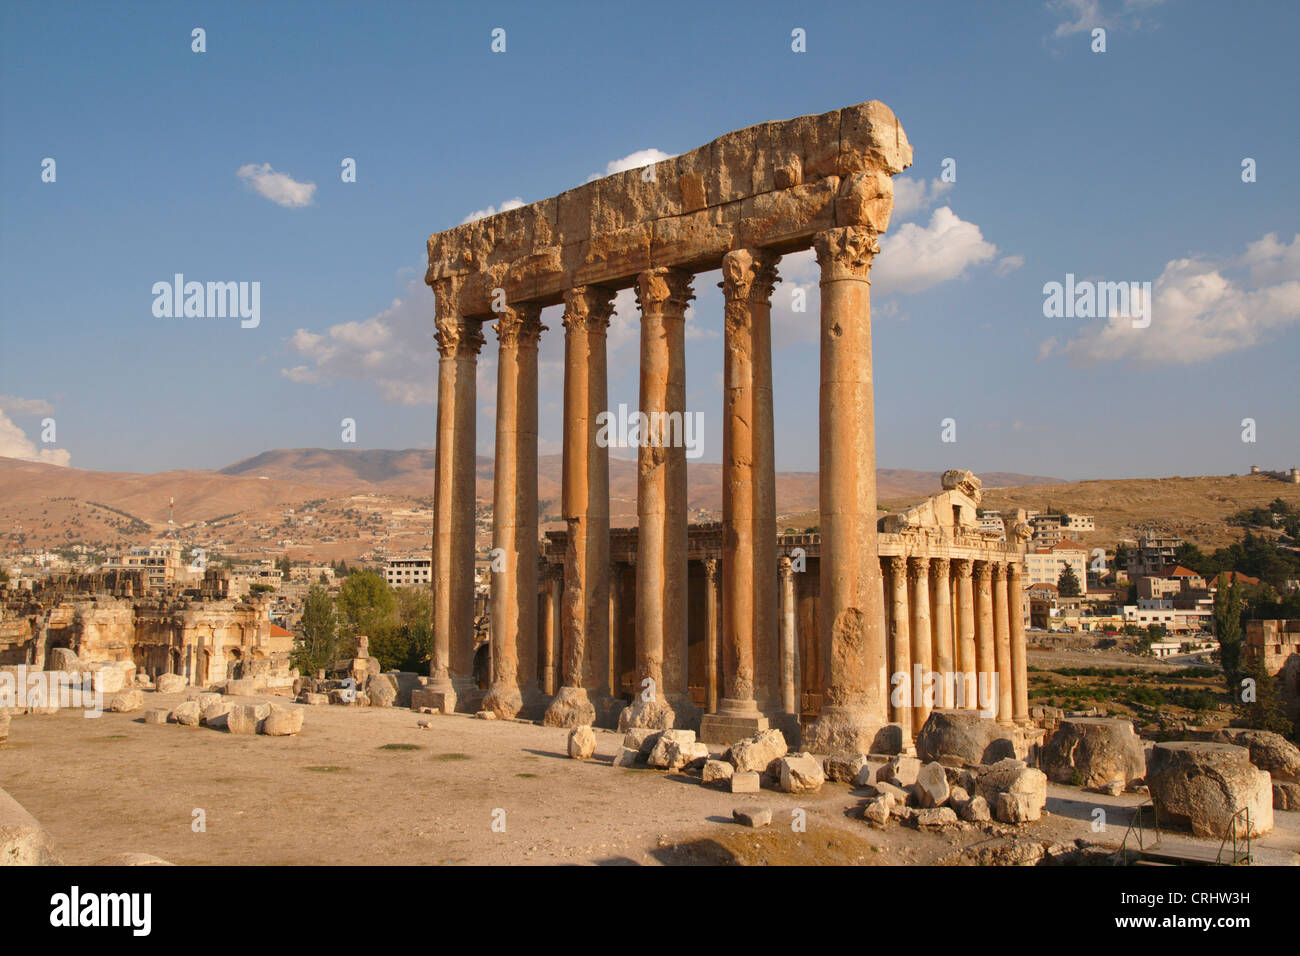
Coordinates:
<point>748,503</point>
<point>513,613</point>
<point>550,628</point>
<point>922,665</point>
<point>790,702</point>
<point>1002,642</point>
<point>584,609</point>
<point>944,665</point>
<point>615,613</point>
<point>459,340</point>
<point>967,692</point>
<point>900,649</point>
<point>855,698</point>
<point>1019,665</point>
<point>711,648</point>
<point>985,655</point>
<point>661,583</point>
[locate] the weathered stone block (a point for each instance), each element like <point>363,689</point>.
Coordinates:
<point>582,743</point>
<point>745,781</point>
<point>801,773</point>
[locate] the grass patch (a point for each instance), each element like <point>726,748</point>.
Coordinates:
<point>526,776</point>
<point>451,756</point>
<point>325,769</point>
<point>400,747</point>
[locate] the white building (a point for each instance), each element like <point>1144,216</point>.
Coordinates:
<point>1044,565</point>
<point>409,571</point>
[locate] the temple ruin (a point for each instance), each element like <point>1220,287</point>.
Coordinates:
<point>739,203</point>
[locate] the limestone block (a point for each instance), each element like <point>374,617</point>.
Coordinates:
<point>127,702</point>
<point>205,700</point>
<point>486,715</point>
<point>1013,777</point>
<point>801,773</point>
<point>170,684</point>
<point>23,841</point>
<point>245,687</point>
<point>1286,795</point>
<point>876,811</point>
<point>424,724</point>
<point>660,754</point>
<point>582,742</point>
<point>745,781</point>
<point>752,816</point>
<point>283,722</point>
<point>976,810</point>
<point>1017,808</point>
<point>932,783</point>
<point>759,752</point>
<point>214,715</point>
<point>187,714</point>
<point>897,794</point>
<point>1268,751</point>
<point>626,757</point>
<point>936,818</point>
<point>958,798</point>
<point>314,700</point>
<point>245,719</point>
<point>641,739</point>
<point>963,738</point>
<point>718,772</point>
<point>382,690</point>
<point>901,771</point>
<point>843,767</point>
<point>343,698</point>
<point>868,773</point>
<point>1203,784</point>
<point>63,659</point>
<point>156,716</point>
<point>1094,751</point>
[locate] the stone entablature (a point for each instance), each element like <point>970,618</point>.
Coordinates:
<point>770,186</point>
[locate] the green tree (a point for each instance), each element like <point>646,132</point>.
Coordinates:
<point>1228,607</point>
<point>1266,711</point>
<point>318,645</point>
<point>1067,585</point>
<point>285,565</point>
<point>365,605</point>
<point>407,643</point>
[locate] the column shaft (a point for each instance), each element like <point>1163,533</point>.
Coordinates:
<point>922,648</point>
<point>711,662</point>
<point>941,586</point>
<point>1019,665</point>
<point>900,649</point>
<point>967,696</point>
<point>985,655</point>
<point>1002,638</point>
<point>789,652</point>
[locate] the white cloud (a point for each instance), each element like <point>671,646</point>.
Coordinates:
<point>1082,16</point>
<point>25,406</point>
<point>917,257</point>
<point>1201,310</point>
<point>916,195</point>
<point>514,203</point>
<point>14,442</point>
<point>642,157</point>
<point>280,188</point>
<point>1007,265</point>
<point>394,349</point>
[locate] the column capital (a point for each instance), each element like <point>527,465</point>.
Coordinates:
<point>984,570</point>
<point>897,564</point>
<point>918,567</point>
<point>587,308</point>
<point>520,325</point>
<point>963,567</point>
<point>786,566</point>
<point>941,565</point>
<point>1014,570</point>
<point>999,570</point>
<point>457,337</point>
<point>665,288</point>
<point>749,274</point>
<point>710,569</point>
<point>845,252</point>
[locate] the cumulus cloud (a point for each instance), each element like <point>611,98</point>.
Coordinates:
<point>915,257</point>
<point>1200,310</point>
<point>642,157</point>
<point>14,442</point>
<point>25,406</point>
<point>912,196</point>
<point>514,203</point>
<point>394,349</point>
<point>281,188</point>
<point>1082,16</point>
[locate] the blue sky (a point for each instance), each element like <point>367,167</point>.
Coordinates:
<point>1120,166</point>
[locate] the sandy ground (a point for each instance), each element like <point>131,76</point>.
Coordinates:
<point>340,794</point>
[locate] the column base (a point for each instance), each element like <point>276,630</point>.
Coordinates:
<point>851,729</point>
<point>535,702</point>
<point>652,714</point>
<point>469,696</point>
<point>790,727</point>
<point>726,729</point>
<point>569,708</point>
<point>504,700</point>
<point>443,701</point>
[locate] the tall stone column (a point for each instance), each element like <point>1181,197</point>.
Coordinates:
<point>985,655</point>
<point>922,665</point>
<point>584,608</point>
<point>550,629</point>
<point>941,586</point>
<point>662,698</point>
<point>513,612</point>
<point>967,693</point>
<point>711,643</point>
<point>459,339</point>
<point>748,503</point>
<point>790,702</point>
<point>615,615</point>
<point>855,699</point>
<point>1019,664</point>
<point>1002,640</point>
<point>900,649</point>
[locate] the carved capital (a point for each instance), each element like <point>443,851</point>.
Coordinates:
<point>711,569</point>
<point>666,290</point>
<point>1013,572</point>
<point>963,567</point>
<point>458,337</point>
<point>749,275</point>
<point>897,566</point>
<point>587,308</point>
<point>999,571</point>
<point>520,326</point>
<point>786,567</point>
<point>984,571</point>
<point>941,567</point>
<point>845,252</point>
<point>918,568</point>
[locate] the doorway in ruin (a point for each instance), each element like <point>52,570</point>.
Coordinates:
<point>235,665</point>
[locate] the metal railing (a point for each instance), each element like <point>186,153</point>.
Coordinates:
<point>1135,821</point>
<point>1244,812</point>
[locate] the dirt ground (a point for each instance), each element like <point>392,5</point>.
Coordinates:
<point>368,787</point>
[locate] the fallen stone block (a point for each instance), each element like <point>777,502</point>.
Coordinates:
<point>752,816</point>
<point>187,714</point>
<point>718,772</point>
<point>313,700</point>
<point>244,687</point>
<point>876,811</point>
<point>207,699</point>
<point>170,684</point>
<point>486,715</point>
<point>23,841</point>
<point>843,767</point>
<point>156,716</point>
<point>382,690</point>
<point>283,722</point>
<point>582,742</point>
<point>1203,785</point>
<point>424,724</point>
<point>801,773</point>
<point>901,771</point>
<point>214,715</point>
<point>626,757</point>
<point>936,818</point>
<point>1017,808</point>
<point>760,752</point>
<point>897,794</point>
<point>668,752</point>
<point>963,737</point>
<point>932,784</point>
<point>868,773</point>
<point>127,702</point>
<point>1286,795</point>
<point>1268,751</point>
<point>746,781</point>
<point>1012,776</point>
<point>641,739</point>
<point>976,810</point>
<point>1094,751</point>
<point>246,718</point>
